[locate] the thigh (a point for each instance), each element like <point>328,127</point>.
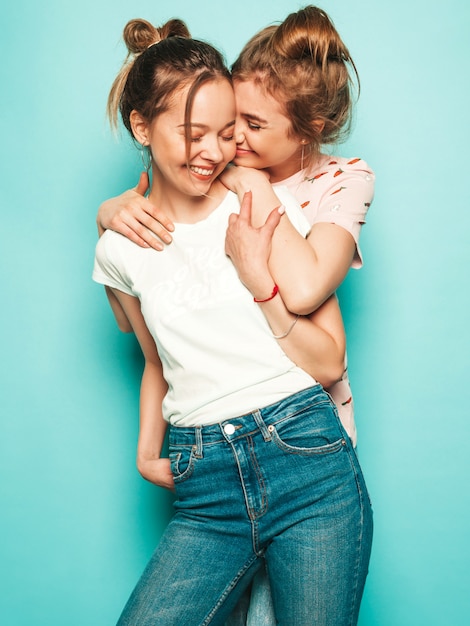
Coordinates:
<point>318,559</point>
<point>318,568</point>
<point>261,609</point>
<point>193,578</point>
<point>205,559</point>
<point>255,607</point>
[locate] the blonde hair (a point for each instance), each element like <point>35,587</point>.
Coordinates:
<point>304,64</point>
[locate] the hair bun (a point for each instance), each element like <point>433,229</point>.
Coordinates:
<point>139,34</point>
<point>174,28</point>
<point>309,33</point>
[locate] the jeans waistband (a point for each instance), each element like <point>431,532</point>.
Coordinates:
<point>243,425</point>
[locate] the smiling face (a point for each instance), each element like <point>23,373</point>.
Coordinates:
<point>177,174</point>
<point>263,133</point>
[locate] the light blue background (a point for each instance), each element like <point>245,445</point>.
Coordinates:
<point>77,522</point>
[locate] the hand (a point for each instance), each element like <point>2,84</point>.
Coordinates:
<point>240,179</point>
<point>135,217</point>
<point>249,248</point>
<point>158,472</point>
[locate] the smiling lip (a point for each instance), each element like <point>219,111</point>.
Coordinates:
<point>202,172</point>
<point>243,152</point>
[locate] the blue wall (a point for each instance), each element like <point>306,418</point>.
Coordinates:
<point>77,523</point>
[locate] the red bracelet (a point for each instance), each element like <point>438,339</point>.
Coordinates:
<point>273,293</point>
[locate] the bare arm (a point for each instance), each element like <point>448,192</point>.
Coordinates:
<point>150,464</point>
<point>316,266</point>
<point>121,318</point>
<point>315,342</point>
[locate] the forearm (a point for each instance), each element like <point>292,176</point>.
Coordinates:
<point>153,389</point>
<point>316,266</point>
<point>315,343</point>
<point>312,275</point>
<point>152,425</point>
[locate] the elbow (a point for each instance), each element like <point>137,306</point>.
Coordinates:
<point>303,301</point>
<point>125,326</point>
<point>142,468</point>
<point>331,374</point>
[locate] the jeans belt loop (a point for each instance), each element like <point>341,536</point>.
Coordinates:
<point>262,426</point>
<point>198,434</point>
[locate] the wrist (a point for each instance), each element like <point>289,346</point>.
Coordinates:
<point>266,298</point>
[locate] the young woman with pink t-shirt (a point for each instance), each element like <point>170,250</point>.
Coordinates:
<point>293,91</point>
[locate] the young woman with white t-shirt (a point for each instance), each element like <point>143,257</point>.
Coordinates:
<point>262,468</point>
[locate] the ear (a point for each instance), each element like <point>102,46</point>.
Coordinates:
<point>140,128</point>
<point>318,125</point>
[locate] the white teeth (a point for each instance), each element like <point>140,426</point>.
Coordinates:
<point>201,171</point>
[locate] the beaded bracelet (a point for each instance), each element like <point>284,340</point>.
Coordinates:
<point>288,330</point>
<point>273,293</point>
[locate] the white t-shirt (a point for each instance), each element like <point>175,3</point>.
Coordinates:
<point>218,353</point>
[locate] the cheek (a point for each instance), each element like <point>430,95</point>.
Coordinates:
<point>230,153</point>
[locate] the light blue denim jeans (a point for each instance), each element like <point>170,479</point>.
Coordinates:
<point>280,486</point>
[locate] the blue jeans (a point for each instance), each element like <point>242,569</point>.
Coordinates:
<point>255,608</point>
<point>280,486</point>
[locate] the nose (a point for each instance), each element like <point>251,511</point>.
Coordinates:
<point>239,131</point>
<point>212,151</point>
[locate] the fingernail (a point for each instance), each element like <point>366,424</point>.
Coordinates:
<point>281,210</point>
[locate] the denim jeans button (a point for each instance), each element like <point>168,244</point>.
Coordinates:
<point>229,429</point>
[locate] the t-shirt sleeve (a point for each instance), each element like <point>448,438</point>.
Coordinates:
<point>293,210</point>
<point>108,267</point>
<point>346,198</point>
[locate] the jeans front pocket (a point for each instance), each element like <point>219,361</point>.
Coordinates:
<point>182,461</point>
<point>313,430</point>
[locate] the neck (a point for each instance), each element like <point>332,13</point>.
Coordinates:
<point>182,207</point>
<point>291,167</point>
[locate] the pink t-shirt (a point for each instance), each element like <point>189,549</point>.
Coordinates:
<point>335,190</point>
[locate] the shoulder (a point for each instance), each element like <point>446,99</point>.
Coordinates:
<point>112,246</point>
<point>116,259</point>
<point>337,182</point>
<point>331,170</point>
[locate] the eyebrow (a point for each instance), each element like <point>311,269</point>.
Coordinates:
<point>254,117</point>
<point>204,126</point>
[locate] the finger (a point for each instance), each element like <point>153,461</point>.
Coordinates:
<point>232,219</point>
<point>163,220</point>
<point>154,235</point>
<point>134,237</point>
<point>245,207</point>
<point>272,222</point>
<point>136,228</point>
<point>152,217</point>
<point>143,184</point>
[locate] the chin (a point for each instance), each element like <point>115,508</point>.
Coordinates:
<point>245,161</point>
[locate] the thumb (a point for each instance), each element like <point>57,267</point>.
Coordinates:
<point>245,207</point>
<point>272,221</point>
<point>143,184</point>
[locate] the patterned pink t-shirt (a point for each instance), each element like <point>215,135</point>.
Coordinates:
<point>337,190</point>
